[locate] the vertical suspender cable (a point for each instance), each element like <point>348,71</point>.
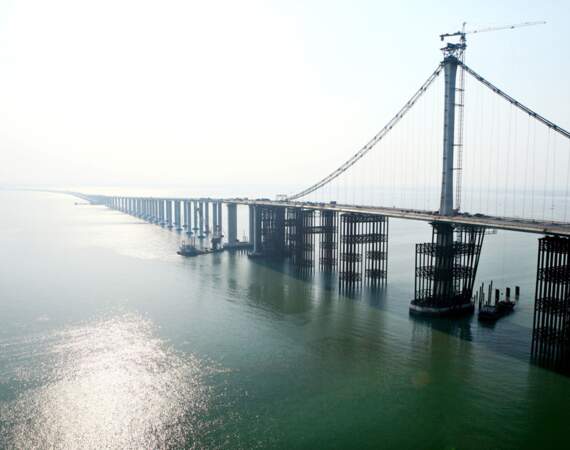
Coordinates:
<point>546,175</point>
<point>525,186</point>
<point>567,185</point>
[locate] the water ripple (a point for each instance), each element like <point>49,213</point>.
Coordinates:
<point>106,384</point>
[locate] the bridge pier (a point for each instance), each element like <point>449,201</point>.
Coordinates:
<point>150,216</point>
<point>206,217</point>
<point>551,323</point>
<point>328,240</point>
<point>201,220</point>
<point>251,211</point>
<point>150,206</point>
<point>155,204</point>
<point>269,231</point>
<point>188,216</point>
<point>220,229</point>
<point>160,208</point>
<point>232,224</point>
<point>215,218</point>
<point>446,269</point>
<point>195,215</point>
<point>150,210</point>
<point>178,215</point>
<point>168,206</point>
<point>363,248</point>
<point>256,232</point>
<point>300,236</point>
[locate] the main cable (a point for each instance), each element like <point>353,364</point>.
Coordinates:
<point>364,150</point>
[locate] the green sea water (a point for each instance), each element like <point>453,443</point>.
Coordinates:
<point>108,339</point>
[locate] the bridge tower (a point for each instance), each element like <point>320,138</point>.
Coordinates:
<point>446,267</point>
<point>450,70</point>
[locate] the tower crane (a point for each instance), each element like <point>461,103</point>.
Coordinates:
<point>458,50</point>
<point>462,33</point>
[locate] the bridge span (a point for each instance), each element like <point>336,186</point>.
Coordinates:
<point>480,220</point>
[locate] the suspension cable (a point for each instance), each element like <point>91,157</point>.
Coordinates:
<point>358,155</point>
<point>511,100</point>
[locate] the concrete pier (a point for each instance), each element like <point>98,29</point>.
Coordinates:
<point>256,231</point>
<point>215,228</point>
<point>195,206</point>
<point>232,224</point>
<point>251,223</point>
<point>206,217</point>
<point>201,220</point>
<point>220,224</point>
<point>188,216</point>
<point>154,211</point>
<point>169,222</point>
<point>177,215</point>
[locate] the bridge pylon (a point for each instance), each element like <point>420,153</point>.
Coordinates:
<point>446,267</point>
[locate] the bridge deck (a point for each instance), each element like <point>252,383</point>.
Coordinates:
<point>502,223</point>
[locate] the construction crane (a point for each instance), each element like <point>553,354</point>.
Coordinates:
<point>458,50</point>
<point>462,33</point>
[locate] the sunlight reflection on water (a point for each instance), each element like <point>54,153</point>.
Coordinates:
<point>107,384</point>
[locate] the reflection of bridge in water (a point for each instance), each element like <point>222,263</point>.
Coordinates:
<point>504,166</point>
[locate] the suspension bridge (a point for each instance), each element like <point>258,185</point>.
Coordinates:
<point>496,164</point>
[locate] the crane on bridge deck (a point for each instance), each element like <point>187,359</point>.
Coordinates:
<point>458,50</point>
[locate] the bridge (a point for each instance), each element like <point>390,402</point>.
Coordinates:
<point>498,164</point>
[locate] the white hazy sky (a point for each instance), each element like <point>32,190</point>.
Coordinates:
<point>184,93</point>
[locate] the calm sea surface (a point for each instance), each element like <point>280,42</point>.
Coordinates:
<point>108,339</point>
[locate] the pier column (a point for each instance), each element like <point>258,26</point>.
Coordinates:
<point>178,214</point>
<point>220,223</point>
<point>551,323</point>
<point>207,217</point>
<point>251,223</point>
<point>169,213</point>
<point>160,212</point>
<point>188,216</point>
<point>201,220</point>
<point>215,218</point>
<point>446,270</point>
<point>195,206</point>
<point>328,240</point>
<point>232,224</point>
<point>300,236</point>
<point>256,230</point>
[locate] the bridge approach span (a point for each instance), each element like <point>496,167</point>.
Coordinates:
<point>501,223</point>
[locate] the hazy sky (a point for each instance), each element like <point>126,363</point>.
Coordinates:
<point>149,93</point>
